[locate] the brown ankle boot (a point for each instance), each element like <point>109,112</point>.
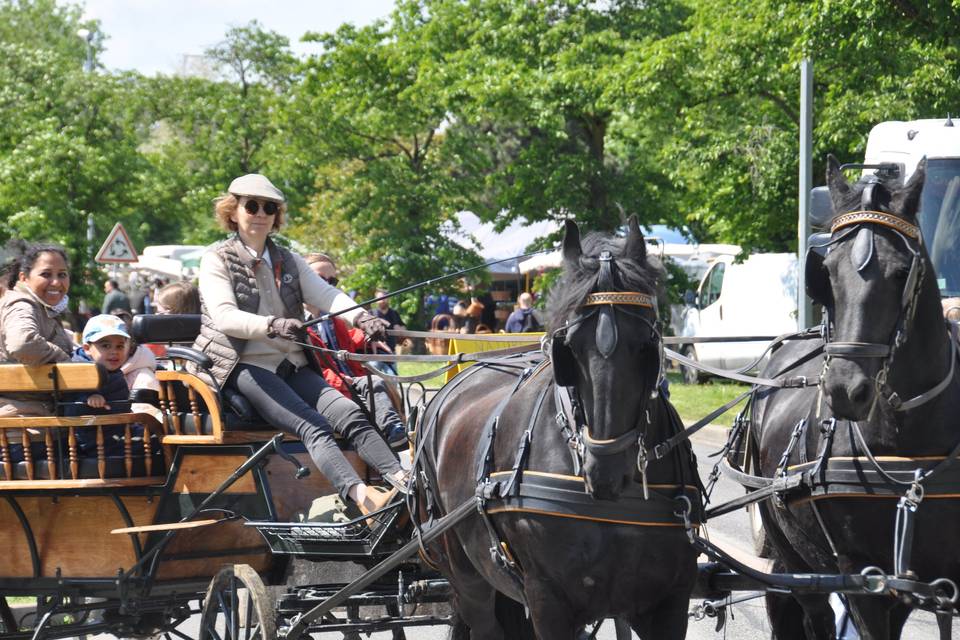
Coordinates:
<point>376,499</point>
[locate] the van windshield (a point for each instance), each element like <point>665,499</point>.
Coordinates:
<point>940,221</point>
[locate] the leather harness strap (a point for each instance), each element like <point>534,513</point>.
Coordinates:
<point>565,496</point>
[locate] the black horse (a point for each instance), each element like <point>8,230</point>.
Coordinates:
<point>574,544</point>
<point>887,389</point>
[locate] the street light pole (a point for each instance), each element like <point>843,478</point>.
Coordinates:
<point>87,35</point>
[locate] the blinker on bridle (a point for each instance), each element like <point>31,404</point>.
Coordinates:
<point>862,254</point>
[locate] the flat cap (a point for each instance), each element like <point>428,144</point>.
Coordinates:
<point>255,185</point>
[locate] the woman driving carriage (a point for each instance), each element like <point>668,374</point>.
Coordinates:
<point>252,293</point>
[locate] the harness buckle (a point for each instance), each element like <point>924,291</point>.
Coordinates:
<point>914,495</point>
<point>685,507</point>
<point>828,426</point>
<point>894,400</point>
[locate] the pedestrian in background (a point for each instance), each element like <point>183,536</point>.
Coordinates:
<point>114,298</point>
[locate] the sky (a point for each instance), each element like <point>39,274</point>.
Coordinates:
<point>152,36</point>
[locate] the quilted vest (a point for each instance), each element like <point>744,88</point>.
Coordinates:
<point>224,350</point>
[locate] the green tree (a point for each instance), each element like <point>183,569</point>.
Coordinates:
<point>538,90</point>
<point>724,92</point>
<point>205,129</point>
<point>371,121</point>
<point>67,147</point>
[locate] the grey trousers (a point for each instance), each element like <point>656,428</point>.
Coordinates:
<point>303,404</point>
<point>385,414</point>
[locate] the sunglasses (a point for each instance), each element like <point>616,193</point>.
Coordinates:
<point>334,281</point>
<point>269,208</point>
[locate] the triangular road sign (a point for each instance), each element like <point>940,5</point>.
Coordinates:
<point>118,247</point>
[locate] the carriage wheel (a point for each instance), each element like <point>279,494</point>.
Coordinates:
<point>237,607</point>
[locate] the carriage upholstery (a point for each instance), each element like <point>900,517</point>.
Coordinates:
<point>194,411</point>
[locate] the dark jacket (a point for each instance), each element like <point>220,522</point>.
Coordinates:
<point>117,395</point>
<point>524,320</point>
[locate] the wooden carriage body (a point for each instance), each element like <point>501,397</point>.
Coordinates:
<point>60,512</point>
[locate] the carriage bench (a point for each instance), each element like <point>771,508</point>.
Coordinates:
<point>44,450</point>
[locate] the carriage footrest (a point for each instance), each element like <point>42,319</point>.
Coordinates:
<point>354,538</point>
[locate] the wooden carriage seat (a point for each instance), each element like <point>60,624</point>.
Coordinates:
<point>44,448</point>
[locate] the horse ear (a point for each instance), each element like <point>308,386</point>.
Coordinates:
<point>635,247</point>
<point>838,185</point>
<point>571,243</point>
<point>907,200</point>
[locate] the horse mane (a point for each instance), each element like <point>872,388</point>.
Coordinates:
<point>578,280</point>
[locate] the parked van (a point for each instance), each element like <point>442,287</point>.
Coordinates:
<point>757,297</point>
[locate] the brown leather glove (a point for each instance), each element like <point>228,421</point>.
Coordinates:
<point>373,327</point>
<point>286,328</point>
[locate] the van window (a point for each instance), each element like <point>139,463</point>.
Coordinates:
<point>712,285</point>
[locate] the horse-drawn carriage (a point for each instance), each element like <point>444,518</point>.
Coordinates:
<point>552,487</point>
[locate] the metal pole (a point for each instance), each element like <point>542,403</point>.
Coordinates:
<point>804,305</point>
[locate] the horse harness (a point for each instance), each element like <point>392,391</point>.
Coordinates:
<point>522,490</point>
<point>910,480</point>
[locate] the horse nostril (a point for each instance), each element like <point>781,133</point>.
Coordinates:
<point>859,392</point>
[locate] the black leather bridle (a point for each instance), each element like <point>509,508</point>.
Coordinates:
<point>605,304</point>
<point>860,225</point>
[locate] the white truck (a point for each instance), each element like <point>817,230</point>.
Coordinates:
<point>897,147</point>
<point>756,297</point>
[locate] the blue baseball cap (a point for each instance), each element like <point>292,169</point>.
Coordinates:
<point>103,325</point>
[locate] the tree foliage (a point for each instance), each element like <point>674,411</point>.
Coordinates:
<point>679,111</point>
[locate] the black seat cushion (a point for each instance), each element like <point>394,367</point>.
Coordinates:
<point>89,468</point>
<point>166,328</point>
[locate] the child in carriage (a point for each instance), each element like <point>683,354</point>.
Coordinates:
<point>107,343</point>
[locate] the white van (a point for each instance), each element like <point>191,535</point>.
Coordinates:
<point>757,297</point>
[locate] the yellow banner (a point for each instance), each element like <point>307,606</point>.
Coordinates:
<point>469,345</point>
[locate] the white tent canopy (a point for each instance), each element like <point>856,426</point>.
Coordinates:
<point>680,252</point>
<point>497,245</point>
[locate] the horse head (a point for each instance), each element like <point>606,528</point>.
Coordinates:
<point>867,274</point>
<point>607,349</point>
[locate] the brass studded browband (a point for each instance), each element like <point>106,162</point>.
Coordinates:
<point>876,217</point>
<point>620,297</point>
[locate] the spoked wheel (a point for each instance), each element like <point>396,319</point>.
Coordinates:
<point>237,607</point>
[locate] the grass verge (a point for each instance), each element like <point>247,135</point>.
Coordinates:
<point>693,401</point>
